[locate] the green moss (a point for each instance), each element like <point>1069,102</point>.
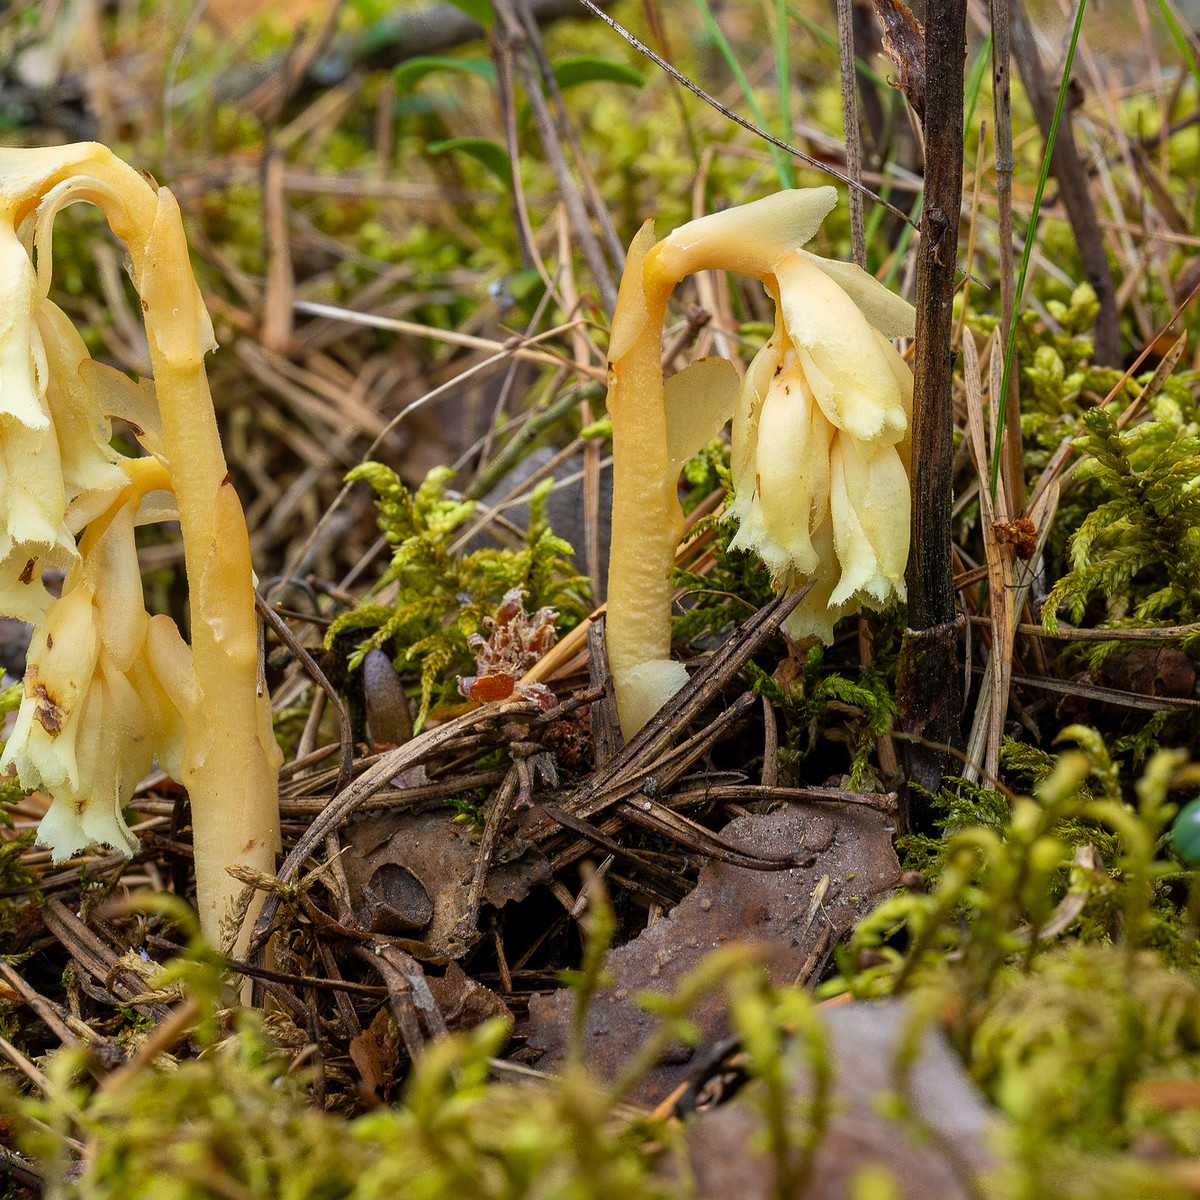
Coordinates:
<point>442,597</point>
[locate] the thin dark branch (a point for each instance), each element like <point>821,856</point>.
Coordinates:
<point>845,20</point>
<point>928,680</point>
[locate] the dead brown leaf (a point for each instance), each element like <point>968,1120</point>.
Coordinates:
<point>855,864</point>
<point>1150,671</point>
<point>904,43</point>
<point>374,1051</point>
<point>464,1001</point>
<point>418,868</point>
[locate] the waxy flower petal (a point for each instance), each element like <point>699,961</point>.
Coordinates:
<point>845,365</point>
<point>869,503</point>
<point>62,659</point>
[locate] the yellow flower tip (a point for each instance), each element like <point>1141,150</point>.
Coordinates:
<point>88,729</point>
<point>45,744</point>
<point>845,364</point>
<point>870,503</point>
<point>113,749</point>
<point>748,240</point>
<point>70,827</point>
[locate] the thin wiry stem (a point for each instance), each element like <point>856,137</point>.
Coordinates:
<point>642,48</point>
<point>845,19</point>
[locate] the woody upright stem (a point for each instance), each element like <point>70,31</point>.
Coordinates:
<point>927,687</point>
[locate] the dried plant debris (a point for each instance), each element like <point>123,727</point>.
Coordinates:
<point>904,43</point>
<point>798,913</point>
<point>930,1146</point>
<point>1150,671</point>
<point>517,640</point>
<point>414,871</point>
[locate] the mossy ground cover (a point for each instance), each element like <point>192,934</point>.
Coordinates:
<point>472,197</point>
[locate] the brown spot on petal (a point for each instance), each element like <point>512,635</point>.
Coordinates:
<point>26,575</point>
<point>46,710</point>
<point>49,641</point>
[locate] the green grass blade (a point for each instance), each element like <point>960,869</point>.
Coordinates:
<point>782,165</point>
<point>1180,38</point>
<point>783,70</point>
<point>974,82</point>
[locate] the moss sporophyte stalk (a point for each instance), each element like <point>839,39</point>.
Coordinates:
<point>821,420</point>
<point>108,688</point>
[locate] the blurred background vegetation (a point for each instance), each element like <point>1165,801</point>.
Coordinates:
<point>409,230</point>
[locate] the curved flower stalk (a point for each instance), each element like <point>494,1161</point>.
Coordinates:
<point>108,688</point>
<point>820,434</point>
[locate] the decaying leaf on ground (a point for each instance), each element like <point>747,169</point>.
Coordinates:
<point>853,866</point>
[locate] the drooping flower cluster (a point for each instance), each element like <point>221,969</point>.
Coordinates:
<point>820,434</point>
<point>88,665</point>
<point>820,453</point>
<point>108,688</point>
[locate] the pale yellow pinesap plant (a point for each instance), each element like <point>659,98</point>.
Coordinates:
<point>108,688</point>
<point>820,441</point>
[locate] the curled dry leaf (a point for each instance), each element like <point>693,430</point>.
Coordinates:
<point>516,643</point>
<point>1021,534</point>
<point>413,871</point>
<point>904,44</point>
